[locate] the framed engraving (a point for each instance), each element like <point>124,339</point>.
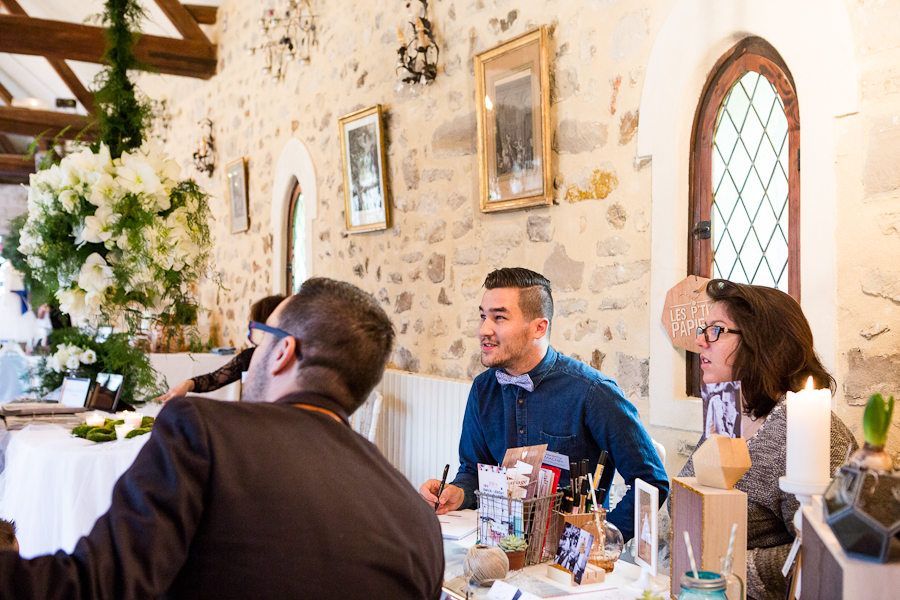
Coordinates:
<point>237,195</point>
<point>365,175</point>
<point>512,90</point>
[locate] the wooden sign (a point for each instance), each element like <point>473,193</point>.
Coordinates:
<point>686,308</point>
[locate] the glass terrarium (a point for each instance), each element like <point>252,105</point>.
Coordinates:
<point>862,508</point>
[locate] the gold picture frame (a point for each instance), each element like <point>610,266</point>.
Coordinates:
<point>512,91</point>
<point>238,198</point>
<point>366,197</point>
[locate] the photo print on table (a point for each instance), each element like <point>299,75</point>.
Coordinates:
<point>722,409</point>
<point>573,551</point>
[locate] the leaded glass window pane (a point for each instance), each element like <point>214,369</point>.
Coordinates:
<point>750,185</point>
<point>298,246</point>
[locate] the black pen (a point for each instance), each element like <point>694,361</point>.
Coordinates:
<point>601,463</point>
<point>441,489</point>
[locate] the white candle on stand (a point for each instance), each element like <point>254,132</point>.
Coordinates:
<point>133,419</point>
<point>809,435</point>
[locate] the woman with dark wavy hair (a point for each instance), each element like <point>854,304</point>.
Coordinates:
<point>759,336</point>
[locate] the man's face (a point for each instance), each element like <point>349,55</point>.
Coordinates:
<point>505,333</point>
<point>256,384</point>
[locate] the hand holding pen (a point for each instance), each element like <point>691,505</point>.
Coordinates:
<point>441,489</point>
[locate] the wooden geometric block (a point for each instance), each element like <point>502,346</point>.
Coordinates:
<point>707,514</point>
<point>721,461</point>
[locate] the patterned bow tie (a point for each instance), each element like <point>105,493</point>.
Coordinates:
<point>523,381</point>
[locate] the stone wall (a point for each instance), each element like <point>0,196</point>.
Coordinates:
<point>13,202</point>
<point>593,243</point>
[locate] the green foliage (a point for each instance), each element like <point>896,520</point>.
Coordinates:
<point>101,434</point>
<point>136,432</point>
<point>115,355</point>
<point>124,114</point>
<point>147,422</point>
<point>38,292</point>
<point>877,420</point>
<point>82,430</point>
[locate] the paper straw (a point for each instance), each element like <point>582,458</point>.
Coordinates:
<point>687,542</point>
<point>593,493</point>
<point>730,548</point>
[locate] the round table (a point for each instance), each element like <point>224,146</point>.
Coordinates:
<point>55,486</point>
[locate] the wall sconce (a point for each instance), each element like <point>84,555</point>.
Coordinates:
<point>205,156</point>
<point>287,38</point>
<point>419,56</point>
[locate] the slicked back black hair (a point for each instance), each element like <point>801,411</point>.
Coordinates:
<point>535,298</point>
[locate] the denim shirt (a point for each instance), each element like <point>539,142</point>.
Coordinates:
<point>576,411</point>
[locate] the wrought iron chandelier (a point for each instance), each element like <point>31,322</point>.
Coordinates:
<point>287,37</point>
<point>418,57</point>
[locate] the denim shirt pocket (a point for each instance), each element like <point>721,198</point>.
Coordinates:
<point>561,444</point>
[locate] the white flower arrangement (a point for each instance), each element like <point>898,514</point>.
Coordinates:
<point>116,236</point>
<point>70,357</point>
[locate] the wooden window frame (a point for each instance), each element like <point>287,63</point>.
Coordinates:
<point>750,54</point>
<point>289,266</point>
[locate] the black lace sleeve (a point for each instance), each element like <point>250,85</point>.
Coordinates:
<point>227,374</point>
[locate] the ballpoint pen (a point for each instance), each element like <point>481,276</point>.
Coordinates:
<point>441,489</point>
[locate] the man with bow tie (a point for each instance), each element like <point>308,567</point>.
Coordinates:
<point>531,394</point>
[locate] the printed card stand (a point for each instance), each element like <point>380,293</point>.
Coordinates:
<point>646,537</point>
<point>571,562</point>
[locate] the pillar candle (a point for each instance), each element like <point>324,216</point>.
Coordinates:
<point>95,419</point>
<point>809,435</point>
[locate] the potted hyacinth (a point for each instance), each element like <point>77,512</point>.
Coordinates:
<point>862,503</point>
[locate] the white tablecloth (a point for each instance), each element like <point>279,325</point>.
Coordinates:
<point>183,365</point>
<point>55,486</point>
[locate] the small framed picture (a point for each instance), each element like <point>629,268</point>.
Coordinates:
<point>573,551</point>
<point>512,88</point>
<point>722,409</point>
<point>237,195</point>
<point>646,526</point>
<point>365,180</point>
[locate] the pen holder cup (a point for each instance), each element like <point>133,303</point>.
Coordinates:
<point>531,519</point>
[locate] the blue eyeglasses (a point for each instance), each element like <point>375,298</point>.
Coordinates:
<point>257,331</point>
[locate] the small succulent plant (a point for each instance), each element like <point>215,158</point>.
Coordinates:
<point>876,424</point>
<point>513,543</point>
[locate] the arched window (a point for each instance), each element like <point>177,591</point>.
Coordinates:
<point>296,258</point>
<point>745,175</point>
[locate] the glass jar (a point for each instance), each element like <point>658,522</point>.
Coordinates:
<point>608,543</point>
<point>709,586</point>
<point>734,586</point>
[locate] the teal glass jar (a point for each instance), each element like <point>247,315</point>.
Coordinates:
<point>709,586</point>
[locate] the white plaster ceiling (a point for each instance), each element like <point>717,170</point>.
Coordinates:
<point>33,77</point>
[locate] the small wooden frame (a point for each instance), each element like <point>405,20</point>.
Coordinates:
<point>646,526</point>
<point>721,461</point>
<point>707,514</point>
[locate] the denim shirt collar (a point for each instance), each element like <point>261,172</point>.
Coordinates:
<point>540,370</point>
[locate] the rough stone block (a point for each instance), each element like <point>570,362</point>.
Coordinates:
<point>403,302</point>
<point>464,225</point>
<point>438,231</point>
<point>869,374</point>
<point>539,229</point>
<point>410,170</point>
<point>564,308</point>
<point>411,257</point>
<point>628,127</point>
<point>564,273</point>
<point>435,268</point>
<point>575,137</point>
<point>881,169</point>
<point>614,303</point>
<point>605,277</point>
<point>616,216</point>
<point>456,137</point>
<point>456,350</point>
<point>613,246</point>
<point>633,374</point>
<point>466,256</point>
<point>884,284</point>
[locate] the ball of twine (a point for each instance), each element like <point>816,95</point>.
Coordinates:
<point>485,564</point>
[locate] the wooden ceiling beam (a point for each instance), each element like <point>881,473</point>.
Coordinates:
<point>69,41</point>
<point>62,69</point>
<point>6,145</point>
<point>205,15</point>
<point>15,168</point>
<point>5,95</point>
<point>25,121</point>
<point>183,21</point>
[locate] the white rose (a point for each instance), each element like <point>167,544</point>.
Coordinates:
<point>89,357</point>
<point>95,275</point>
<point>62,355</point>
<point>71,301</point>
<point>73,362</point>
<point>53,364</point>
<point>74,350</point>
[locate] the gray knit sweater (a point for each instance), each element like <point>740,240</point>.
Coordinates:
<point>770,531</point>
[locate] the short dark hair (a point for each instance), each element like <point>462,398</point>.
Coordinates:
<point>264,307</point>
<point>7,535</point>
<point>343,329</point>
<point>535,298</point>
<point>775,353</point>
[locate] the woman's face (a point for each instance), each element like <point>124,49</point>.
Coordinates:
<point>717,358</point>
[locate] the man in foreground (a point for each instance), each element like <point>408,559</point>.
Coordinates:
<point>531,394</point>
<point>275,497</point>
